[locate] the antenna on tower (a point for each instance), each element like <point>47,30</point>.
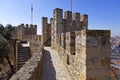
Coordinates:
<point>71,5</point>
<point>31,14</point>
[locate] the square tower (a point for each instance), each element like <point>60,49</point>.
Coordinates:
<point>57,27</point>
<point>93,54</point>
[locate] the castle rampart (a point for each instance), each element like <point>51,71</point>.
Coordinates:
<point>84,52</point>
<point>26,32</point>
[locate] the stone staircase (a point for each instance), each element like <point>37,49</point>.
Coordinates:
<point>23,55</point>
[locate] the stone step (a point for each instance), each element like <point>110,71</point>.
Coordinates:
<point>21,63</point>
<point>24,60</point>
<point>23,56</point>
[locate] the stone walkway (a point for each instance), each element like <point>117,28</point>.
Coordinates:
<point>53,68</point>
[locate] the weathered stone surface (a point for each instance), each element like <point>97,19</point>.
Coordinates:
<point>91,58</point>
<point>53,67</point>
<point>46,32</point>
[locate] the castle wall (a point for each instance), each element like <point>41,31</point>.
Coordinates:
<point>32,30</point>
<point>26,32</point>
<point>91,60</point>
<point>86,54</point>
<point>78,67</point>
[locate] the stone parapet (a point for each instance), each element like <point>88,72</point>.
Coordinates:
<point>33,67</point>
<point>22,30</point>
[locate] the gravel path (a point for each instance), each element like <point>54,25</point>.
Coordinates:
<point>53,68</point>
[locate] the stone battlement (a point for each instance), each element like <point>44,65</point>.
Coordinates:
<point>84,52</point>
<point>26,32</point>
<point>27,26</point>
<point>58,24</point>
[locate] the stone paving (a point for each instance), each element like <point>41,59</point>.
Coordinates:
<point>53,68</point>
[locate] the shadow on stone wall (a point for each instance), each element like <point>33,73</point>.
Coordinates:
<point>48,72</point>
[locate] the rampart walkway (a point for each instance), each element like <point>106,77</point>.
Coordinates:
<point>53,68</point>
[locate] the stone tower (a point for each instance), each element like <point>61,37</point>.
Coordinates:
<point>46,32</point>
<point>57,27</point>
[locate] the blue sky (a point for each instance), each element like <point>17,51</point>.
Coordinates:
<point>103,14</point>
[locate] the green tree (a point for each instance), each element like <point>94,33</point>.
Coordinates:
<point>7,31</point>
<point>1,29</point>
<point>3,47</point>
<point>5,36</point>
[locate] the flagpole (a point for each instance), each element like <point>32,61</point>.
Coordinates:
<point>31,14</point>
<point>71,5</point>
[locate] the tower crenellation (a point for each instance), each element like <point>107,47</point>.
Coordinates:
<point>58,14</point>
<point>26,25</point>
<point>68,15</point>
<point>84,20</point>
<point>44,21</point>
<point>76,17</point>
<point>22,31</point>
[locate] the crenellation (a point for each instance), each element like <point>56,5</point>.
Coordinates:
<point>58,14</point>
<point>60,24</point>
<point>22,24</point>
<point>68,15</point>
<point>84,20</point>
<point>31,25</point>
<point>25,32</point>
<point>27,25</point>
<point>44,21</point>
<point>76,17</point>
